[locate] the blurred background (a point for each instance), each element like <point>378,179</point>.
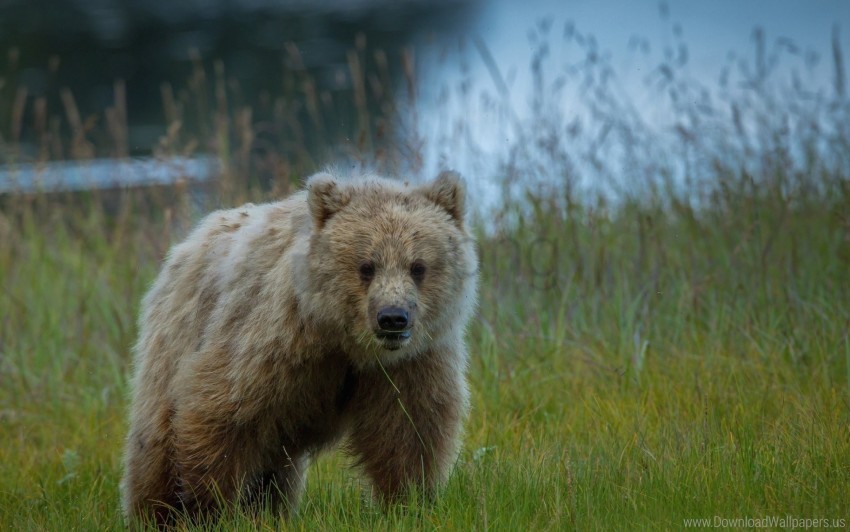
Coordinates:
<point>262,92</point>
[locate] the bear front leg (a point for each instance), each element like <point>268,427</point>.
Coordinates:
<point>221,462</point>
<point>209,462</point>
<point>407,423</point>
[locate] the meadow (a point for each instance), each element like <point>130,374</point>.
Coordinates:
<point>678,353</point>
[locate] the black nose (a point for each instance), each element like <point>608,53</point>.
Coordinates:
<point>393,319</point>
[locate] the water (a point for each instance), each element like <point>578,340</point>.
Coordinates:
<point>57,176</point>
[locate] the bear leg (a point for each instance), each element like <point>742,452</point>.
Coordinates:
<point>407,424</point>
<point>222,463</point>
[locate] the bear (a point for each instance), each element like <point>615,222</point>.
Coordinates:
<point>276,331</point>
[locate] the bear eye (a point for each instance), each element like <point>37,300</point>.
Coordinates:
<point>417,271</point>
<point>367,271</point>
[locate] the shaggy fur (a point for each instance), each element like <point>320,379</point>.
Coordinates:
<point>259,347</point>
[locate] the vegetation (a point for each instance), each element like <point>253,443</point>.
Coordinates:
<point>637,359</point>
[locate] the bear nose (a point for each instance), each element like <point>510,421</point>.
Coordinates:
<point>393,319</point>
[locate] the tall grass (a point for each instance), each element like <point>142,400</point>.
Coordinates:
<point>637,359</point>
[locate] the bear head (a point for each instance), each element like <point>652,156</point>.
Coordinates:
<point>391,267</point>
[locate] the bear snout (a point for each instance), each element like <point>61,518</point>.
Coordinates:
<point>394,324</point>
<point>393,319</point>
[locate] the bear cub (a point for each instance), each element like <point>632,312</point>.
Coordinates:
<point>275,331</point>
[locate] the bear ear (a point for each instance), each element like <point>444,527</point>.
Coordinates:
<point>448,192</point>
<point>325,197</point>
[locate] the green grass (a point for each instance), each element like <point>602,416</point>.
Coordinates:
<point>630,369</point>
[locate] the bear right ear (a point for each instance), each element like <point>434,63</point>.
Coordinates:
<point>325,198</point>
<point>447,191</point>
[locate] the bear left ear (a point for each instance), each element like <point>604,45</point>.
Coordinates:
<point>325,197</point>
<point>448,192</point>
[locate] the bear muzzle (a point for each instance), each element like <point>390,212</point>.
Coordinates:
<point>394,324</point>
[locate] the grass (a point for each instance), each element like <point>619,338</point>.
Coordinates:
<point>633,365</point>
<point>684,373</point>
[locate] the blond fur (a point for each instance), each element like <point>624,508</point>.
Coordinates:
<point>258,348</point>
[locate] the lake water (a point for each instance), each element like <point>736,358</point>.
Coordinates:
<point>58,176</point>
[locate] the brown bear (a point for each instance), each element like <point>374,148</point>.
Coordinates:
<point>277,330</point>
